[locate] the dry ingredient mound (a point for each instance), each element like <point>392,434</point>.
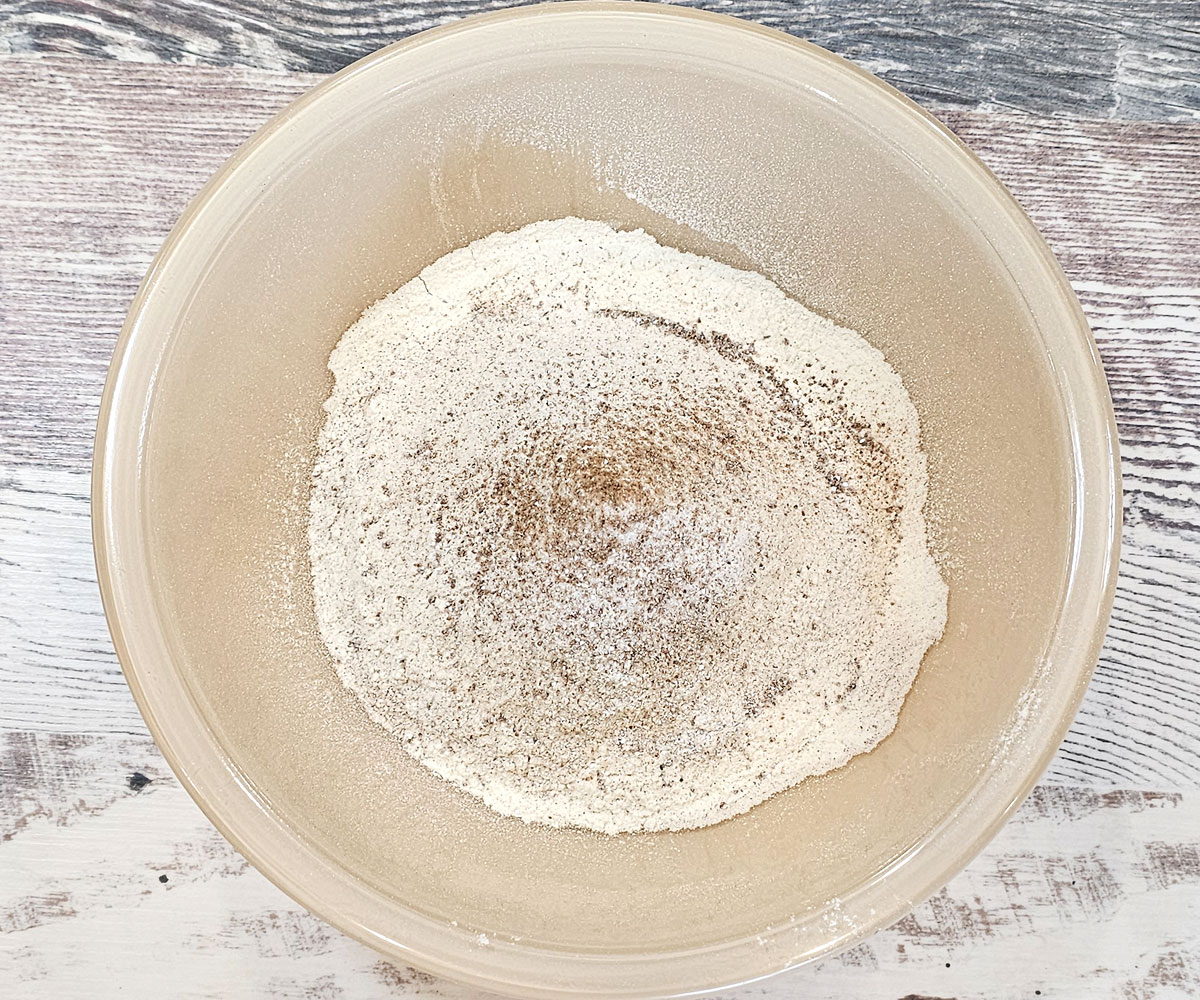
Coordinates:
<point>618,537</point>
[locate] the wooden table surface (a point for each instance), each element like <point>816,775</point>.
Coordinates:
<point>112,114</point>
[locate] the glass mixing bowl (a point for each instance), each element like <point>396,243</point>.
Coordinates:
<point>715,136</point>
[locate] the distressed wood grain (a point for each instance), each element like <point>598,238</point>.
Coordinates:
<point>1134,59</point>
<point>104,850</point>
<point>1119,202</point>
<point>112,114</point>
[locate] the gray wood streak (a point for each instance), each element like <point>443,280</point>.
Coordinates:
<point>90,826</point>
<point>1094,887</point>
<point>1119,202</point>
<point>1138,59</point>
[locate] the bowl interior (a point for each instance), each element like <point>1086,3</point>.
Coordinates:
<point>719,140</point>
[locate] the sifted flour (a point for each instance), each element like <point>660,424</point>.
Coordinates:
<point>618,537</point>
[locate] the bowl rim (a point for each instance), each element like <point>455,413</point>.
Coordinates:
<point>302,871</point>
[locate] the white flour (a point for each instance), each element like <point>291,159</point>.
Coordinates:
<point>618,537</point>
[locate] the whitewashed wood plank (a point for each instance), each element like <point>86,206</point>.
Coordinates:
<point>1138,725</point>
<point>1084,894</point>
<point>57,663</point>
<point>1120,203</point>
<point>97,165</point>
<point>1087,58</point>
